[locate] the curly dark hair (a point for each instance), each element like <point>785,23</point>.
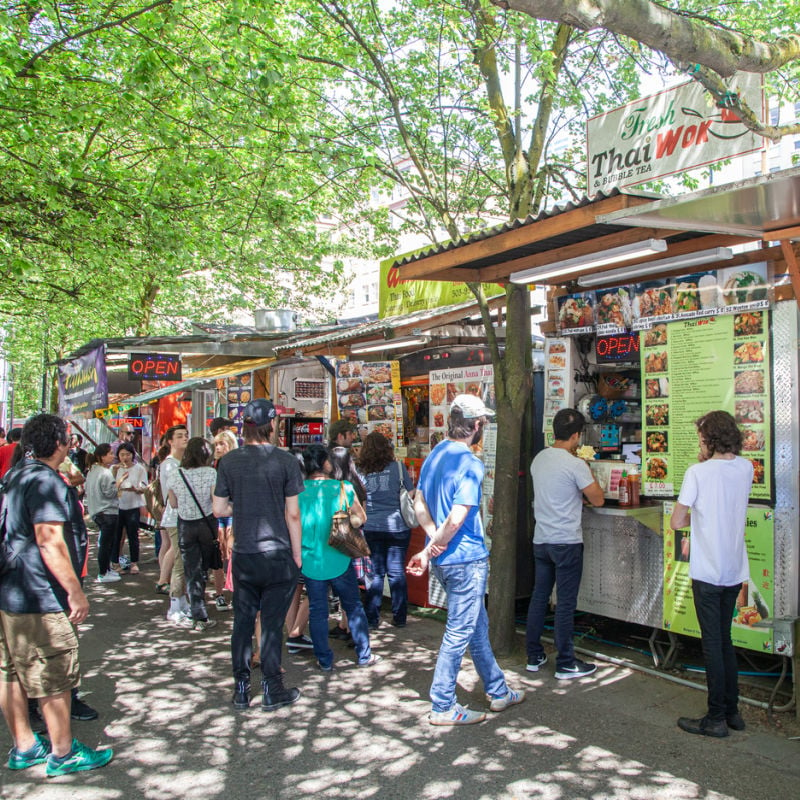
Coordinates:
<point>720,432</point>
<point>42,434</point>
<point>376,453</point>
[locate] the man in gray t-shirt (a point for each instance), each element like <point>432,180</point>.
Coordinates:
<point>560,482</point>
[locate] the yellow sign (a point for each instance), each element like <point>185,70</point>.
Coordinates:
<point>397,297</point>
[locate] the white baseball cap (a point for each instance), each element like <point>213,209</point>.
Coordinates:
<point>471,406</point>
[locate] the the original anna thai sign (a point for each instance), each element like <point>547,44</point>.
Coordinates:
<point>666,133</point>
<point>82,384</point>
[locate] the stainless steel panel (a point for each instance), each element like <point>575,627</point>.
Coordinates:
<point>623,573</point>
<point>785,336</point>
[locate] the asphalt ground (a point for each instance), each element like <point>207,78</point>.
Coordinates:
<point>164,699</point>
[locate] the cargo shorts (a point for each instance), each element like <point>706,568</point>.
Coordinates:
<point>40,651</point>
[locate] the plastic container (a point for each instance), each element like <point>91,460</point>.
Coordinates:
<point>634,488</point>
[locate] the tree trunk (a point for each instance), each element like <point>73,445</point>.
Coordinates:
<point>513,382</point>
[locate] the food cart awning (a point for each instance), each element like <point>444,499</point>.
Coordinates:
<point>569,234</point>
<point>197,378</point>
<point>391,329</point>
<point>767,205</point>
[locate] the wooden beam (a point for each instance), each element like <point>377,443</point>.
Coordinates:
<point>782,234</point>
<point>791,265</point>
<point>459,255</point>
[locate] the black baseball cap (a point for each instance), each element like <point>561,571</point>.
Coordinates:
<point>259,412</point>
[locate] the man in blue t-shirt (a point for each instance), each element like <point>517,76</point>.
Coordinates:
<point>447,503</point>
<point>41,602</point>
<point>560,482</point>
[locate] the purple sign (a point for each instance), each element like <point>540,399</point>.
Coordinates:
<point>82,384</point>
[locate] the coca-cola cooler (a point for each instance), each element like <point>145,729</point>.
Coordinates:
<point>300,432</point>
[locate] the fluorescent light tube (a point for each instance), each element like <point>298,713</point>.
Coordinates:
<point>389,344</point>
<point>654,267</point>
<point>624,252</point>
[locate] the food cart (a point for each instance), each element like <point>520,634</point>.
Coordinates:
<point>704,315</point>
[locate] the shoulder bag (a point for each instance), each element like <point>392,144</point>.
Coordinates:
<point>406,502</point>
<point>344,537</point>
<point>215,556</point>
<point>154,499</point>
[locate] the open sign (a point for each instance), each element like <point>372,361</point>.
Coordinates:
<point>154,367</point>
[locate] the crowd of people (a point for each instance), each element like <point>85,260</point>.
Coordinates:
<point>256,520</point>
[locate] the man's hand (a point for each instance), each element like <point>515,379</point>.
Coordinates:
<point>418,563</point>
<point>78,606</point>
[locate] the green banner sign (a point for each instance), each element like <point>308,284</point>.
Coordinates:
<point>752,620</point>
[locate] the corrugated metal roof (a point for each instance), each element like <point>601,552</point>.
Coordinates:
<point>378,326</point>
<point>547,244</point>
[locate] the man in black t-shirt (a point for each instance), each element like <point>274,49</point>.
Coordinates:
<point>41,600</point>
<point>258,485</point>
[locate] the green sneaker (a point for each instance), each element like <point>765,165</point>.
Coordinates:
<point>30,758</point>
<point>79,759</point>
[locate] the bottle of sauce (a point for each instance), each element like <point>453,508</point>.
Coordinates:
<point>624,490</point>
<point>634,487</point>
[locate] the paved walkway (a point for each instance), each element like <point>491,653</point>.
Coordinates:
<point>164,697</point>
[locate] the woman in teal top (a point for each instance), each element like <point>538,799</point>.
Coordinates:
<point>323,565</point>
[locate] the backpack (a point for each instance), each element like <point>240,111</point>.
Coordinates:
<point>7,555</point>
<point>154,498</point>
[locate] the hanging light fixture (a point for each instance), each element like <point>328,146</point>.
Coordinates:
<point>624,252</point>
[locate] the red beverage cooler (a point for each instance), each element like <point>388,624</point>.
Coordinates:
<point>300,432</point>
<point>417,584</point>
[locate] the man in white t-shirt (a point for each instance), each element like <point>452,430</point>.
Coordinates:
<point>716,490</point>
<point>560,482</point>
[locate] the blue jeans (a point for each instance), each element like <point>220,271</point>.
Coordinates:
<point>467,627</point>
<point>346,587</point>
<point>714,606</point>
<point>559,565</point>
<point>388,556</point>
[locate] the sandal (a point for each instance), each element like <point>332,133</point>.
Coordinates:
<point>162,588</point>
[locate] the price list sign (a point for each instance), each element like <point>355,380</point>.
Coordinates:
<point>695,366</point>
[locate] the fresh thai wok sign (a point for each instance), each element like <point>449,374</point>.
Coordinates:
<point>83,384</point>
<point>666,133</point>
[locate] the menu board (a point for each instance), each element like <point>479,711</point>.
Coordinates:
<point>693,367</point>
<point>752,621</point>
<point>557,381</point>
<point>446,384</point>
<point>640,306</point>
<point>368,394</point>
<point>238,393</point>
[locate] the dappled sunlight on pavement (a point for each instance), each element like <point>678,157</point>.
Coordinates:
<point>164,699</point>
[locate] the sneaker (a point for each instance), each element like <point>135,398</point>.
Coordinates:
<point>704,726</point>
<point>735,722</point>
<point>457,715</point>
<point>536,663</point>
<point>299,643</point>
<point>329,668</point>
<point>109,577</point>
<point>338,633</point>
<point>22,759</point>
<point>81,711</point>
<point>180,619</point>
<point>272,701</point>
<point>79,759</point>
<point>579,669</point>
<point>241,695</point>
<point>512,698</point>
<point>371,661</point>
<point>203,624</point>
<point>124,562</point>
<point>221,604</point>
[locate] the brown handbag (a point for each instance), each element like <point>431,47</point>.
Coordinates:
<point>344,536</point>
